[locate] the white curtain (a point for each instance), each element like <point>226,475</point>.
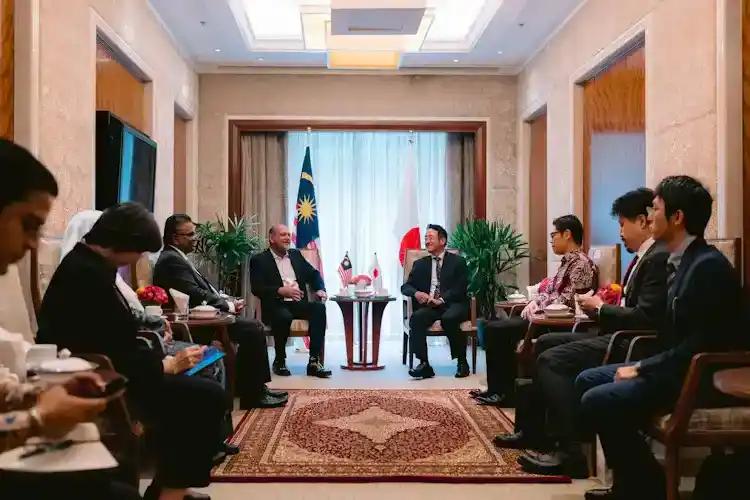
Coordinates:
<point>357,179</point>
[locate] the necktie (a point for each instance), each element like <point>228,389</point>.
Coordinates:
<point>671,273</point>
<point>629,271</point>
<point>438,268</point>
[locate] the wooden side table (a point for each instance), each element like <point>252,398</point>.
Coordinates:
<point>346,304</point>
<point>734,381</point>
<point>220,327</point>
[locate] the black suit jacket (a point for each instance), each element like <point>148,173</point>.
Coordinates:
<point>646,297</point>
<point>454,279</point>
<point>173,271</point>
<point>703,313</point>
<point>84,311</point>
<point>265,279</point>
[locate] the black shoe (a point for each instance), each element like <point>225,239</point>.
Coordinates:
<point>274,394</point>
<point>462,370</point>
<point>423,370</point>
<point>516,441</point>
<point>264,401</point>
<point>316,369</point>
<point>280,369</point>
<point>194,495</point>
<point>153,492</point>
<point>218,458</point>
<point>229,449</point>
<point>474,393</point>
<point>491,400</point>
<point>555,463</point>
<point>600,494</point>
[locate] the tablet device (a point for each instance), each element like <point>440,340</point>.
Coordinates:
<point>210,356</point>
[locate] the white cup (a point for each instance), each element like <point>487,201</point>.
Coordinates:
<point>39,353</point>
<point>351,289</point>
<point>154,311</point>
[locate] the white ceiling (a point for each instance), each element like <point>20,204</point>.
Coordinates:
<point>208,32</point>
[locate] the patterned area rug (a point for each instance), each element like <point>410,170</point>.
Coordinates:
<point>370,435</point>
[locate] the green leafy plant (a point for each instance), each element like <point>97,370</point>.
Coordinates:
<point>226,246</point>
<point>491,249</point>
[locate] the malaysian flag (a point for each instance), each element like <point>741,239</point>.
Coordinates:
<point>345,270</point>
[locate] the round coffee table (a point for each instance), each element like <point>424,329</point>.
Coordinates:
<point>346,303</point>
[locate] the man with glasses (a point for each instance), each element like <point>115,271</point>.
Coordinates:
<point>174,270</point>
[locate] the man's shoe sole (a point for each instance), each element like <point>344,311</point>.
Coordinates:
<point>422,376</point>
<point>560,470</point>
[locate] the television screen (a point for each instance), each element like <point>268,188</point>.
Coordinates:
<point>125,163</point>
<point>137,169</point>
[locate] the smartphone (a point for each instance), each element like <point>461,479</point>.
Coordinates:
<point>114,386</point>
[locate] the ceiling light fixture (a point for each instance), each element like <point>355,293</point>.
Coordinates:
<point>261,59</point>
<point>217,50</point>
<point>455,60</point>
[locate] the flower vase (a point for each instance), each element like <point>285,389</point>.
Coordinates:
<point>154,310</point>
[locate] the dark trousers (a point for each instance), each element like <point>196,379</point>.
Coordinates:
<point>450,317</point>
<point>617,411</point>
<point>253,370</point>
<point>89,485</point>
<point>282,315</point>
<point>186,416</point>
<point>500,338</point>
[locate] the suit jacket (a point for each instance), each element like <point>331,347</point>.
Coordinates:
<point>173,271</point>
<point>84,311</point>
<point>703,313</point>
<point>646,297</point>
<point>265,279</point>
<point>453,279</point>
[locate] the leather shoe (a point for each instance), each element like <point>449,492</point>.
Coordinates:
<point>264,401</point>
<point>600,494</point>
<point>554,463</point>
<point>153,492</point>
<point>516,441</point>
<point>218,458</point>
<point>462,370</point>
<point>316,369</point>
<point>280,369</point>
<point>474,393</point>
<point>491,400</point>
<point>423,370</point>
<point>274,394</point>
<point>197,496</point>
<point>229,449</point>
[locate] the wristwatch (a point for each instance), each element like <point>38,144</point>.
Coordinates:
<point>35,419</point>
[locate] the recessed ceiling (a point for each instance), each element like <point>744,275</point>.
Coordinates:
<point>492,35</point>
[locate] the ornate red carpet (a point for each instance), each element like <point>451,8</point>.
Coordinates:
<point>370,435</point>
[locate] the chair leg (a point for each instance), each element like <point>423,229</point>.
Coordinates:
<point>474,355</point>
<point>672,465</point>
<point>404,349</point>
<point>411,357</point>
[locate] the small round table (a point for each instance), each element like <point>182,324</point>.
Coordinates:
<point>346,303</point>
<point>511,307</point>
<point>220,326</point>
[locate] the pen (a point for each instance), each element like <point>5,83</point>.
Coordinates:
<point>62,445</point>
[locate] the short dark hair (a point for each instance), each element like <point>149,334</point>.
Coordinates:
<point>570,223</point>
<point>22,174</point>
<point>633,203</point>
<point>127,227</point>
<point>171,225</point>
<point>442,233</point>
<point>682,192</point>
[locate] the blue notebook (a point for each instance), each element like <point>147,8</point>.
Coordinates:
<point>210,356</point>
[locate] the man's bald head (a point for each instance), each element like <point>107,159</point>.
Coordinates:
<point>279,238</point>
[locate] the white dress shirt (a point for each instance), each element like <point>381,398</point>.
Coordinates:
<point>433,279</point>
<point>284,265</point>
<point>645,246</point>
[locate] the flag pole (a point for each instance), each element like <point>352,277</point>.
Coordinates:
<point>309,135</point>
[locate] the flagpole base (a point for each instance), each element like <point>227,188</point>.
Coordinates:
<point>363,367</point>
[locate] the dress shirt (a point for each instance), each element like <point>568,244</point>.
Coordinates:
<point>286,271</point>
<point>575,274</point>
<point>676,257</point>
<point>434,278</point>
<point>195,270</point>
<point>645,246</point>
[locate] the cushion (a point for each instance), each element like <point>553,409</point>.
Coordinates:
<point>736,418</point>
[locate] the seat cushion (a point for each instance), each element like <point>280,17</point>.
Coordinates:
<point>736,418</point>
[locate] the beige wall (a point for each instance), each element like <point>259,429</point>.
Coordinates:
<point>57,65</point>
<point>485,97</point>
<point>681,47</point>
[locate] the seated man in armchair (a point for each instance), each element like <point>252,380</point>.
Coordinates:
<point>437,285</point>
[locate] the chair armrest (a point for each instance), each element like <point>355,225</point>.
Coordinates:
<point>153,339</point>
<point>181,331</point>
<point>701,362</point>
<point>639,339</point>
<point>624,334</point>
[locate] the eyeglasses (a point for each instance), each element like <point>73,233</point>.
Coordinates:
<point>552,234</point>
<point>189,235</point>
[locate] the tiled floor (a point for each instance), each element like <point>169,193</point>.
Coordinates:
<point>394,376</point>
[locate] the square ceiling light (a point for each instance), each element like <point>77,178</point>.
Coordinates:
<point>360,59</point>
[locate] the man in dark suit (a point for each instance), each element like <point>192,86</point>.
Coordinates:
<point>437,285</point>
<point>562,356</point>
<point>174,270</point>
<point>702,315</point>
<point>280,276</point>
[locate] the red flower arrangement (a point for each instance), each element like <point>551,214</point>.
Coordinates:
<point>152,295</point>
<point>611,294</point>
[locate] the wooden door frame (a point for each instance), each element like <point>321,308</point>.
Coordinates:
<point>239,126</point>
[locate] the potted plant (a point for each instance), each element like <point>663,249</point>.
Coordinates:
<point>491,249</point>
<point>226,246</point>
